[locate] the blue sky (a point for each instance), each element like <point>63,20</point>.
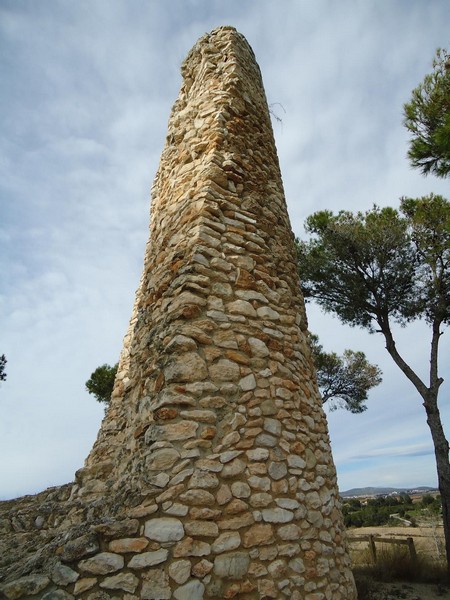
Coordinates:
<point>87,88</point>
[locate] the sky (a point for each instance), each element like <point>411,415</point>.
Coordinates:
<point>87,89</point>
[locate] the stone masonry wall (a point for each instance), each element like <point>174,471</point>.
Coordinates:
<point>212,475</point>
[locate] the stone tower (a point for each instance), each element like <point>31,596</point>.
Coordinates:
<point>213,467</point>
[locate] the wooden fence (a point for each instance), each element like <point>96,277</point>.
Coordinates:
<point>374,539</point>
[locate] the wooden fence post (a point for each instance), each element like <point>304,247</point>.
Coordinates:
<point>412,549</point>
<point>372,549</point>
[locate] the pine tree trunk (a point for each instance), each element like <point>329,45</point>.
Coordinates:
<point>441,451</point>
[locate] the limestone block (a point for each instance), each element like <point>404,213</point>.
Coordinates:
<point>190,547</point>
<point>224,370</point>
<point>125,545</point>
<point>264,439</point>
<point>63,575</point>
<point>118,529</point>
<point>202,568</point>
<point>201,528</point>
<point>258,348</point>
<point>25,586</point>
<point>180,570</point>
<point>229,540</point>
<point>258,535</point>
<point>85,545</point>
<point>155,585</point>
<point>277,470</point>
<point>123,581</point>
<point>203,479</point>
<point>247,383</point>
<point>193,590</point>
<point>102,564</point>
<point>277,515</point>
<point>258,454</point>
<point>240,489</point>
<point>84,584</point>
<point>164,529</point>
<point>197,497</point>
<point>148,559</point>
<point>233,468</point>
<point>233,565</point>
<point>162,459</point>
<point>241,307</point>
<point>185,367</point>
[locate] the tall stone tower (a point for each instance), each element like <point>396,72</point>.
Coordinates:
<point>215,447</point>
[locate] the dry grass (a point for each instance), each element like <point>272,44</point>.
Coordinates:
<point>395,564</point>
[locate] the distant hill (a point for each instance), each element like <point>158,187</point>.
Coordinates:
<point>376,491</point>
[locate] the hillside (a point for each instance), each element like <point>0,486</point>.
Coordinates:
<point>378,491</point>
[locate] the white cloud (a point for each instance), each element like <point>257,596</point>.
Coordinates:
<point>87,90</point>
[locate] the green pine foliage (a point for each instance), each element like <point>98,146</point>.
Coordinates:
<point>427,118</point>
<point>101,382</point>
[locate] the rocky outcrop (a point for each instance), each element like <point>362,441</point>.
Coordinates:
<point>212,474</point>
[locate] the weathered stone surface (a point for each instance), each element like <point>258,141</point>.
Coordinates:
<point>240,489</point>
<point>233,565</point>
<point>180,570</point>
<point>238,522</point>
<point>148,559</point>
<point>183,430</point>
<point>186,367</point>
<point>198,497</point>
<point>102,564</point>
<point>25,586</point>
<point>296,462</point>
<point>122,546</point>
<point>230,540</point>
<point>190,547</point>
<point>257,535</point>
<point>258,348</point>
<point>241,307</point>
<point>224,370</point>
<point>162,459</point>
<point>57,595</point>
<point>201,528</point>
<point>277,470</point>
<point>247,383</point>
<point>165,529</point>
<point>260,500</point>
<point>84,584</point>
<point>63,575</point>
<point>202,568</point>
<point>193,590</point>
<point>202,479</point>
<point>277,515</point>
<point>118,529</point>
<point>234,468</point>
<point>123,581</point>
<point>85,545</point>
<point>155,585</point>
<point>289,532</point>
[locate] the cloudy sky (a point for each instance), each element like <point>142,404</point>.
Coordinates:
<point>86,92</point>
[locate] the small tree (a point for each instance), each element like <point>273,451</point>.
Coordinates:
<point>101,382</point>
<point>3,362</point>
<point>380,267</point>
<point>427,118</point>
<point>344,381</point>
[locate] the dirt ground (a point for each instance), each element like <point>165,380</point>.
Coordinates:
<point>410,591</point>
